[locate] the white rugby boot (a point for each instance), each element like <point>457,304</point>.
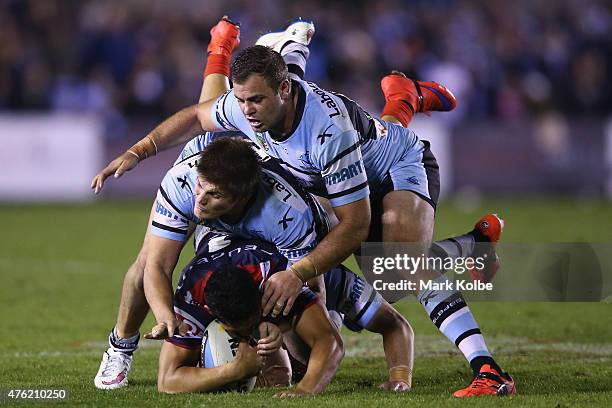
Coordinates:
<point>114,370</point>
<point>299,31</point>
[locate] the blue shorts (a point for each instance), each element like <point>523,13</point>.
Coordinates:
<point>418,172</point>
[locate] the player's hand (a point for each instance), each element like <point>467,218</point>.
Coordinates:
<point>167,328</point>
<point>271,339</point>
<point>127,161</point>
<point>247,363</point>
<point>292,393</point>
<point>280,291</point>
<point>395,386</point>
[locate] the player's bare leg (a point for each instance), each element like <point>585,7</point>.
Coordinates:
<point>123,339</point>
<point>398,343</point>
<point>409,218</point>
<point>133,307</point>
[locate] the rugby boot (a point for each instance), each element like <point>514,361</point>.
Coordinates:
<point>113,371</point>
<point>419,95</point>
<point>488,382</point>
<point>224,37</point>
<point>487,233</point>
<point>299,31</point>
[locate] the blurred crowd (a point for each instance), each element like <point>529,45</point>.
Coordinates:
<point>504,60</point>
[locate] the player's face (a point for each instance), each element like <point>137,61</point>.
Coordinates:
<point>212,202</point>
<point>244,329</point>
<point>261,105</point>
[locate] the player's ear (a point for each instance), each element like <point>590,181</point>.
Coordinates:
<point>284,89</point>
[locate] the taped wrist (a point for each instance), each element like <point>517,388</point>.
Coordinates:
<point>305,269</point>
<point>144,148</point>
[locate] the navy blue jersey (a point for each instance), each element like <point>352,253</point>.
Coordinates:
<point>259,258</point>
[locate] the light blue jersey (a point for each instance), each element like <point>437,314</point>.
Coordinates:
<point>280,212</point>
<point>335,147</point>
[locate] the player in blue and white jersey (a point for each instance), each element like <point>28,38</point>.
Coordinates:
<point>273,207</point>
<point>203,294</point>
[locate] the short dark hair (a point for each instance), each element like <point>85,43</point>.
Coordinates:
<point>231,164</point>
<point>260,60</point>
<point>231,294</point>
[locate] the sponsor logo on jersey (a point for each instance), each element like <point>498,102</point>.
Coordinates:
<point>325,99</point>
<point>286,220</point>
<point>160,209</point>
<point>414,180</point>
<point>324,135</point>
<point>217,243</point>
<point>354,296</point>
<point>305,158</point>
<point>277,186</point>
<point>184,183</point>
<point>344,174</point>
<point>210,257</point>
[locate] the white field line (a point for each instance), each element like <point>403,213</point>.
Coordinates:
<point>68,265</point>
<point>368,345</point>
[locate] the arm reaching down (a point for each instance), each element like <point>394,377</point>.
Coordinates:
<point>283,288</point>
<point>161,260</point>
<point>178,371</point>
<point>177,129</point>
<point>326,351</point>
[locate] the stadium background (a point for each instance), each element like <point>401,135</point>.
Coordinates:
<point>531,138</point>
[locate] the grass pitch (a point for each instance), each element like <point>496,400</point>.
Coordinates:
<point>62,268</point>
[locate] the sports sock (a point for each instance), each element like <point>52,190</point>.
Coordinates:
<point>121,345</point>
<point>295,56</point>
<point>448,310</point>
<point>455,247</point>
<point>217,64</point>
<point>400,110</point>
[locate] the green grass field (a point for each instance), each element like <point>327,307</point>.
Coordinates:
<point>62,268</point>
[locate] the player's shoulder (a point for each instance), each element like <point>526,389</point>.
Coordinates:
<point>324,109</point>
<point>178,184</point>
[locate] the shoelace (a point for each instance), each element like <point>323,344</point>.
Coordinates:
<point>482,380</point>
<point>115,362</point>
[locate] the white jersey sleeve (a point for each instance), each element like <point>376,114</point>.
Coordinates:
<point>174,204</point>
<point>225,112</point>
